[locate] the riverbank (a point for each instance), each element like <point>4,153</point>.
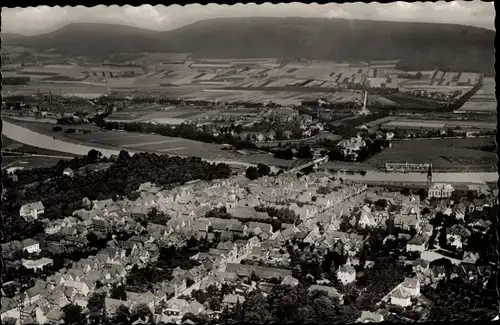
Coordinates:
<point>35,139</point>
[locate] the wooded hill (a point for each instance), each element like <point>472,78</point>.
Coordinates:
<point>419,46</point>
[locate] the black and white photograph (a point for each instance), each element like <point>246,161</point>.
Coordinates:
<point>249,163</point>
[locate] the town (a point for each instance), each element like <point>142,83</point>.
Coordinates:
<point>322,164</point>
<point>231,248</point>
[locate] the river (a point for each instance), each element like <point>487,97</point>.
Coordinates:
<point>461,178</point>
<point>35,139</point>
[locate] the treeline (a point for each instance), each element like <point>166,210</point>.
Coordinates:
<point>13,81</point>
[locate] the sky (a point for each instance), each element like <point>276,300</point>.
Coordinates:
<point>42,19</point>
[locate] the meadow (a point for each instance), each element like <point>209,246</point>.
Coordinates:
<point>443,153</point>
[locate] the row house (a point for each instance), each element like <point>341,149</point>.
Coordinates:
<point>75,241</point>
<point>304,212</point>
<point>230,249</point>
<point>101,205</point>
<point>408,219</point>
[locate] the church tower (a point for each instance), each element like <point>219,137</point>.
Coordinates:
<point>429,177</point>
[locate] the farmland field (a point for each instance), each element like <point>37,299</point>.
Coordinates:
<point>30,161</point>
<point>443,153</point>
<point>483,100</point>
<point>438,124</point>
<point>9,144</point>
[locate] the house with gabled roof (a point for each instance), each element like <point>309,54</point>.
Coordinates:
<point>369,317</point>
<point>290,280</point>
<point>411,286</point>
<point>32,210</point>
<point>330,291</point>
<point>258,227</point>
<point>346,274</point>
<point>470,258</point>
<point>31,246</point>
<point>416,244</point>
<point>420,266</point>
<point>400,298</point>
<point>231,300</point>
<point>146,298</point>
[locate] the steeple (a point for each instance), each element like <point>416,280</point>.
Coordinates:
<point>429,176</point>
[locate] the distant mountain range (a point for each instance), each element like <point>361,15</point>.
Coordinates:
<point>419,46</point>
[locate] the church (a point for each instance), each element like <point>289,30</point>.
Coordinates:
<point>437,190</point>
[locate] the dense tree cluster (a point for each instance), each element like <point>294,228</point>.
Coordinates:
<point>460,299</point>
<point>284,215</point>
<point>143,279</point>
<point>286,154</point>
<point>276,216</point>
<point>256,172</point>
<point>28,176</point>
<point>291,304</point>
<point>124,177</point>
<point>373,146</point>
<point>62,195</point>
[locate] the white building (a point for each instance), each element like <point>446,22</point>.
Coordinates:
<point>440,191</point>
<point>369,317</point>
<point>31,246</point>
<point>37,264</point>
<point>411,286</point>
<point>52,229</point>
<point>32,210</point>
<point>346,274</point>
<point>400,298</point>
<point>68,172</point>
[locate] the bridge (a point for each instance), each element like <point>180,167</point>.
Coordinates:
<point>301,164</point>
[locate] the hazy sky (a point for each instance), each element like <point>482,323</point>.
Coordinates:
<point>36,20</point>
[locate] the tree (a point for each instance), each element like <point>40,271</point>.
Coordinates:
<point>93,155</point>
<point>381,204</point>
<point>96,302</point>
<point>122,315</point>
<point>263,170</point>
<point>142,312</point>
<point>123,157</point>
<point>252,173</point>
<point>118,292</point>
<point>305,152</point>
<point>72,314</point>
